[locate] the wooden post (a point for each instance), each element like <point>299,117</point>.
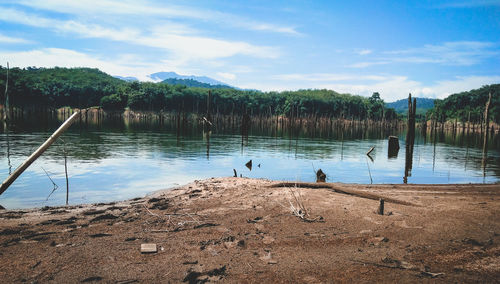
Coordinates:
<point>10,179</point>
<point>486,126</point>
<point>410,138</point>
<point>208,105</point>
<point>66,170</point>
<point>393,148</point>
<point>6,112</point>
<point>380,210</point>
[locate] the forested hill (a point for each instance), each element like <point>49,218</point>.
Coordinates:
<point>423,105</point>
<point>458,106</point>
<point>85,87</point>
<point>57,87</point>
<point>194,83</point>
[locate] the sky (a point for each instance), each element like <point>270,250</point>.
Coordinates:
<point>427,48</point>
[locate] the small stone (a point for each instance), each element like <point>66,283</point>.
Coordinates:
<point>267,240</point>
<point>149,248</point>
<point>272,261</point>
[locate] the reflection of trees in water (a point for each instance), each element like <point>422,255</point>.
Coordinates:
<point>95,141</point>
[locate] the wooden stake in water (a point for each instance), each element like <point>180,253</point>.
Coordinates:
<point>486,127</point>
<point>6,106</point>
<point>10,179</point>
<point>66,172</point>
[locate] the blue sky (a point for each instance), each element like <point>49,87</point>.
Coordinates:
<point>428,48</point>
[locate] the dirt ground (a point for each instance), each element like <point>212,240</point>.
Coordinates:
<point>242,230</point>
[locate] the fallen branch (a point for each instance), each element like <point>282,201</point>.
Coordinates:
<point>369,151</point>
<point>10,179</point>
<point>352,192</point>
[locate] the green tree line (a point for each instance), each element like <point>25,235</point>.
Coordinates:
<point>459,106</point>
<point>86,87</point>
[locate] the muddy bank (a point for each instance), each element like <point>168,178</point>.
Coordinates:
<point>243,230</point>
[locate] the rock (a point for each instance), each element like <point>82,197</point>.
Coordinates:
<point>259,227</point>
<point>229,245</point>
<point>430,274</point>
<point>149,248</point>
<point>272,261</point>
<point>377,240</point>
<point>92,279</point>
<point>267,240</point>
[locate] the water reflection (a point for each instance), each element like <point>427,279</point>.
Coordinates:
<point>121,158</point>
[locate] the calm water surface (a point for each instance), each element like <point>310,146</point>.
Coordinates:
<point>117,160</point>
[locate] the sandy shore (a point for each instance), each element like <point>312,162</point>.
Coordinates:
<point>242,230</point>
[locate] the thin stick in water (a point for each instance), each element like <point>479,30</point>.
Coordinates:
<point>53,183</point>
<point>369,172</point>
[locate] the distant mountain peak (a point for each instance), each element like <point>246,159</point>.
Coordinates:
<point>401,105</point>
<point>128,78</point>
<point>162,76</point>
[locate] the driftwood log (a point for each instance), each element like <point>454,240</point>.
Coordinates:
<point>10,179</point>
<point>335,188</point>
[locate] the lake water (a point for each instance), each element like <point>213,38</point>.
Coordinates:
<point>117,160</point>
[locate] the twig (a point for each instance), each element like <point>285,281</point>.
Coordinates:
<point>149,211</point>
<point>301,210</point>
<point>66,170</point>
<point>53,183</point>
<point>369,172</point>
<point>378,264</point>
<point>369,151</point>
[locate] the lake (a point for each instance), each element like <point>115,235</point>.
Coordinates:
<point>118,159</point>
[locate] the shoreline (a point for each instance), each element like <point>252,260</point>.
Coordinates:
<point>158,191</point>
<point>245,230</point>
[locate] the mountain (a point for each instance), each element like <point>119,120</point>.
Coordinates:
<point>161,76</point>
<point>128,79</point>
<point>401,106</point>
<point>194,83</point>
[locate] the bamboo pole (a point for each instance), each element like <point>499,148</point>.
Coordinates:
<point>10,179</point>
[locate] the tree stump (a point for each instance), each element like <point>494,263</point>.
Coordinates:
<point>393,143</point>
<point>380,210</point>
<point>393,147</point>
<point>320,176</point>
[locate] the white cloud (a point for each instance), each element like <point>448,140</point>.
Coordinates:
<point>51,57</point>
<point>365,52</point>
<point>8,39</point>
<point>270,28</point>
<point>186,47</point>
<point>368,64</point>
<point>319,77</point>
<point>461,53</point>
<point>398,87</point>
<point>444,88</point>
<point>106,8</point>
<point>228,76</point>
<point>390,87</point>
<point>458,53</point>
